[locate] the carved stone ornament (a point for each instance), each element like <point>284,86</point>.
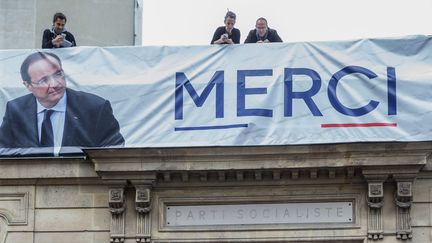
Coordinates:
<point>116,195</point>
<point>117,208</point>
<point>143,207</point>
<point>404,189</point>
<point>143,195</point>
<point>375,203</point>
<point>376,190</point>
<point>403,201</point>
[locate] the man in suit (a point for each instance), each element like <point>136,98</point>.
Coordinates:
<point>262,33</point>
<point>54,115</point>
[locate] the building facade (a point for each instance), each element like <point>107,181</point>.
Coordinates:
<point>366,192</point>
<point>357,192</point>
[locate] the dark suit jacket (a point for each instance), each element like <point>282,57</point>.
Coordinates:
<point>272,36</point>
<point>89,122</point>
<point>49,35</point>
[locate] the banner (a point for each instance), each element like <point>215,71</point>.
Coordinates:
<point>369,90</point>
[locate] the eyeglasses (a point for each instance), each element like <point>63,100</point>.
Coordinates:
<point>57,76</point>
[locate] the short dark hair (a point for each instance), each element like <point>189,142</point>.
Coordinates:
<point>230,14</point>
<point>34,58</point>
<point>263,19</point>
<point>59,16</point>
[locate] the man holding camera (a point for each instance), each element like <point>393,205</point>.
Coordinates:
<point>58,36</point>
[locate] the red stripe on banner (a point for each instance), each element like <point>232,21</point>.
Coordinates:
<point>372,124</point>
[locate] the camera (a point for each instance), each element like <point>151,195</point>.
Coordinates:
<point>225,35</point>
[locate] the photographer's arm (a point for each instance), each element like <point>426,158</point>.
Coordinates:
<point>46,39</point>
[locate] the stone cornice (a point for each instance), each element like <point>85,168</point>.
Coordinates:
<point>363,155</point>
<point>293,162</point>
<point>146,164</point>
<point>46,168</point>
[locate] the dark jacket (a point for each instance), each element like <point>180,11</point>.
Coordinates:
<point>234,36</point>
<point>271,35</point>
<point>49,35</point>
<point>89,122</point>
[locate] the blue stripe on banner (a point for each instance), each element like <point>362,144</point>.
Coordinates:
<point>210,127</point>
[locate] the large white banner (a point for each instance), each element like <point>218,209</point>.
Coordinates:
<point>370,90</point>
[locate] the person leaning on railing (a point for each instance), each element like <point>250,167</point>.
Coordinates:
<point>262,33</point>
<point>57,36</point>
<point>227,34</point>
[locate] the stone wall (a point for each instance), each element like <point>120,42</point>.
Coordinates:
<point>122,195</point>
<point>93,22</point>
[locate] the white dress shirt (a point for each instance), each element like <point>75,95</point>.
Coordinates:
<point>57,121</point>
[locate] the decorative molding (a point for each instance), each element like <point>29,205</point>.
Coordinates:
<point>203,176</point>
<point>3,231</point>
<point>403,201</point>
<point>313,173</point>
<point>117,207</point>
<point>240,175</point>
<point>221,176</point>
<point>185,176</point>
<point>294,174</point>
<point>167,176</point>
<point>332,173</point>
<point>143,206</point>
<point>142,163</point>
<point>18,213</point>
<point>258,175</point>
<point>276,175</point>
<point>375,215</point>
<point>350,172</point>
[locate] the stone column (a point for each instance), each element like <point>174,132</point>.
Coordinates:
<point>375,200</point>
<point>375,203</point>
<point>143,207</point>
<point>403,201</point>
<point>117,208</point>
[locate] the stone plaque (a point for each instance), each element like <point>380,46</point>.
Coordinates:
<point>247,214</point>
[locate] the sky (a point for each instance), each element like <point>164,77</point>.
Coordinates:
<point>193,22</point>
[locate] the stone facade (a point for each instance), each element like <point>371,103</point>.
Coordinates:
<point>123,195</point>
